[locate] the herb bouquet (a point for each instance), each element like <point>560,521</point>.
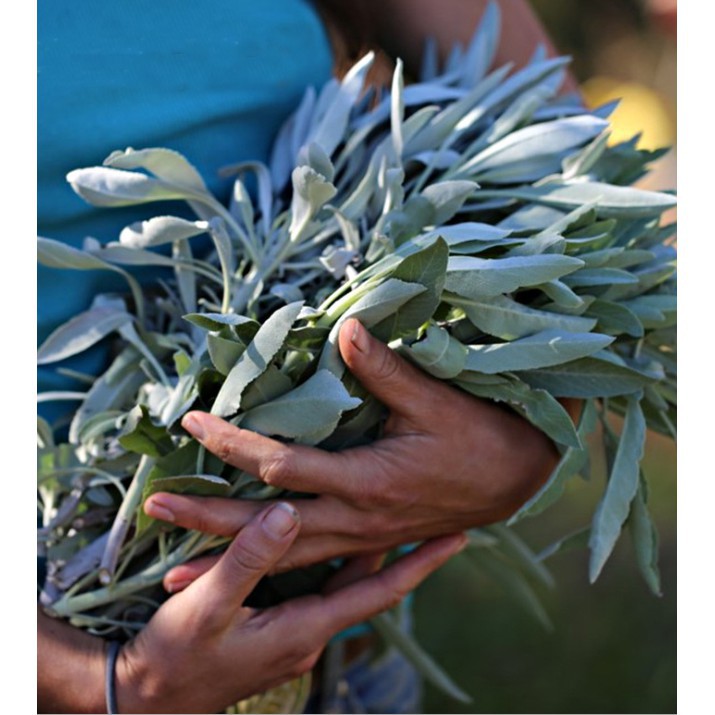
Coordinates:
<point>475,221</point>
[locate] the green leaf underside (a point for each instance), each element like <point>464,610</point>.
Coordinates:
<point>255,360</point>
<point>614,507</point>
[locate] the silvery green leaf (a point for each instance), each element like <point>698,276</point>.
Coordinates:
<point>314,156</point>
<point>349,231</point>
<point>397,109</point>
<point>45,437</point>
<point>103,186</point>
<point>224,353</point>
<point>615,318</point>
<point>516,550</point>
<point>165,164</point>
<point>484,277</point>
<point>544,349</point>
<point>312,407</point>
<point>111,391</point>
<point>355,204</point>
<point>507,319</point>
<point>426,268</point>
<point>56,254</point>
<point>582,161</point>
<point>468,231</point>
<point>593,376</point>
<point>562,295</point>
<point>334,120</point>
<point>645,539</point>
<point>571,463</point>
<point>226,256</point>
<point>287,292</point>
<point>518,112</point>
<point>311,191</point>
<point>537,406</point>
<point>60,396</point>
<point>531,218</point>
<point>576,540</point>
<point>265,187</point>
<point>269,386</point>
<point>610,201</point>
<point>447,197</point>
<point>291,136</point>
<point>614,507</point>
<point>588,277</point>
<point>654,311</point>
<point>482,47</point>
<point>438,353</point>
<point>513,583</point>
<point>573,220</point>
<point>185,277</point>
<point>139,434</point>
<point>397,638</point>
<point>255,360</point>
<point>80,332</point>
<point>538,244</point>
<point>456,117</point>
<point>122,255</point>
<point>530,76</point>
<point>440,159</point>
<point>217,321</point>
<point>376,305</point>
<point>241,206</point>
<point>160,230</point>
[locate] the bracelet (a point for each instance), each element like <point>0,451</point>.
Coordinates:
<point>109,689</point>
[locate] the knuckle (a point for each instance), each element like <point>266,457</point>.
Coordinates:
<point>278,468</point>
<point>247,556</point>
<point>387,367</point>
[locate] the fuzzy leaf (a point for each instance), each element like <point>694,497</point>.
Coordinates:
<point>614,507</point>
<point>81,332</point>
<point>160,230</point>
<point>485,277</point>
<point>543,349</point>
<point>254,361</point>
<point>315,407</point>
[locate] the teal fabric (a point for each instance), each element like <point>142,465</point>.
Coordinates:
<point>213,80</point>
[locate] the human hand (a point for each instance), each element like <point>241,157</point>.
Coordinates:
<point>203,650</point>
<point>448,461</point>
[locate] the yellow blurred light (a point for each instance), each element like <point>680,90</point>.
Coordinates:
<point>641,110</point>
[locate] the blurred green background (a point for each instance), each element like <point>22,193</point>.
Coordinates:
<point>613,645</point>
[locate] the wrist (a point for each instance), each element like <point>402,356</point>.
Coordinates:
<point>135,684</point>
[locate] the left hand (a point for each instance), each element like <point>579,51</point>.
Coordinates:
<point>447,462</point>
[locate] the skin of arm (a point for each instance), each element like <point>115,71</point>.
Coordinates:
<point>203,651</point>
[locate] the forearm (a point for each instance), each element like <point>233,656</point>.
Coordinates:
<point>70,668</point>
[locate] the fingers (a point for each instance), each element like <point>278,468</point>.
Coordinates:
<point>288,466</point>
<point>210,515</point>
<point>225,517</point>
<point>355,569</point>
<point>394,381</point>
<point>250,556</point>
<point>369,596</point>
<point>181,576</point>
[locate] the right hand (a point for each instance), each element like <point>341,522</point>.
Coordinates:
<point>203,651</point>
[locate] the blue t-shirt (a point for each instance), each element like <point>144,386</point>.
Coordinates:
<point>213,80</point>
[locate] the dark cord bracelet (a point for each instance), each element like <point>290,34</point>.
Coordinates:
<point>109,689</point>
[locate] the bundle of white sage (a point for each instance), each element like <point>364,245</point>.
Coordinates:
<point>476,221</point>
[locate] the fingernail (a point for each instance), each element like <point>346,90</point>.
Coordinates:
<point>280,520</point>
<point>176,586</point>
<point>191,423</point>
<point>359,338</point>
<point>159,509</point>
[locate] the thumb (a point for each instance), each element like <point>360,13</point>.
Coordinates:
<point>395,382</point>
<point>253,553</point>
